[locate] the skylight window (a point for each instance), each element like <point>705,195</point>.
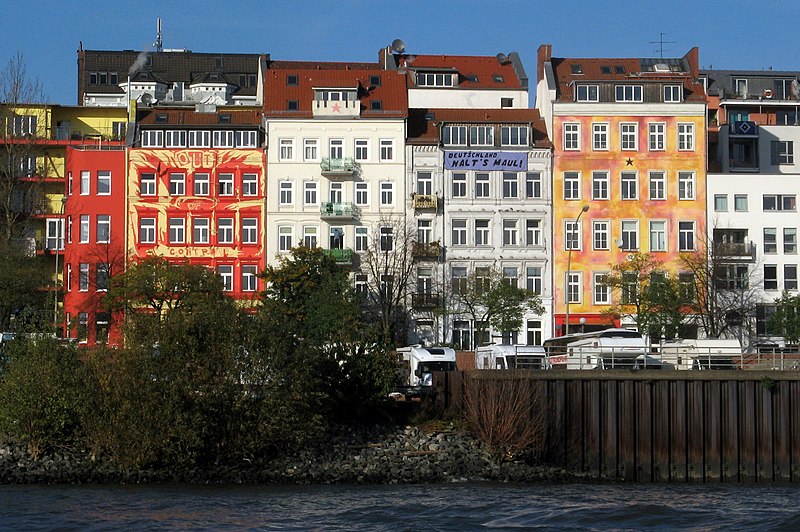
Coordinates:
<point>473,78</point>
<point>161,118</point>
<point>605,69</point>
<point>619,69</point>
<point>576,68</point>
<point>497,78</point>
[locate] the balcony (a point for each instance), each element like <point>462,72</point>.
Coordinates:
<point>425,201</point>
<point>338,211</point>
<point>342,256</point>
<point>345,167</point>
<point>739,251</point>
<point>425,300</point>
<point>426,250</point>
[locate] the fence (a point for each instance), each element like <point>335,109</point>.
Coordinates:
<point>658,426</point>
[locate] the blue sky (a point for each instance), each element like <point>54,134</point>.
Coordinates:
<point>731,34</point>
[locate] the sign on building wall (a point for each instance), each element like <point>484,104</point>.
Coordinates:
<point>511,161</point>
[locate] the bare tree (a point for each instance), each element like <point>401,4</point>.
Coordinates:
<point>20,123</point>
<point>490,299</point>
<point>724,286</point>
<point>388,265</point>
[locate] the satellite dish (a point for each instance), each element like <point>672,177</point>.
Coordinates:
<point>398,46</point>
<point>147,98</point>
<point>501,58</point>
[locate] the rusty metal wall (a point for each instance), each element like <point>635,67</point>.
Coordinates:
<point>715,426</point>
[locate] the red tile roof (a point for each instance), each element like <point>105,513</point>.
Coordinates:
<point>424,124</point>
<point>487,71</point>
<point>390,92</point>
<point>569,71</point>
<point>190,117</point>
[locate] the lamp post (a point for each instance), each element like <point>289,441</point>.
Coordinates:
<point>569,266</point>
<point>59,243</point>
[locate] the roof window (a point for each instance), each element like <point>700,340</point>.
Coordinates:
<point>497,78</point>
<point>619,69</point>
<point>576,68</point>
<point>161,118</point>
<point>291,80</point>
<point>224,118</point>
<point>605,69</point>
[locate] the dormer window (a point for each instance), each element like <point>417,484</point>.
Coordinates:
<point>605,69</point>
<point>291,80</point>
<point>619,69</point>
<point>672,93</point>
<point>431,79</point>
<point>586,93</point>
<point>628,93</point>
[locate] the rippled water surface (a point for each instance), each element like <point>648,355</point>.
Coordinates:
<point>467,506</point>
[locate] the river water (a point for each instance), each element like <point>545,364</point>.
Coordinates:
<point>456,506</point>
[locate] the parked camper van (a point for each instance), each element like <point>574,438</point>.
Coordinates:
<point>607,349</point>
<point>709,353</point>
<point>495,356</point>
<point>418,363</point>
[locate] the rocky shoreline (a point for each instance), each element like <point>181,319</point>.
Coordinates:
<point>377,456</point>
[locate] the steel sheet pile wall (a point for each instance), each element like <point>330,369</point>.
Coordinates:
<point>663,426</point>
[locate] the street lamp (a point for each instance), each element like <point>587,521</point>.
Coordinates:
<point>569,266</point>
<point>59,244</point>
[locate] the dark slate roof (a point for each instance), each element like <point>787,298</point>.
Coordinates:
<point>763,79</point>
<point>424,124</point>
<point>166,67</point>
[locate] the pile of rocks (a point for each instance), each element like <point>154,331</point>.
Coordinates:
<point>401,455</point>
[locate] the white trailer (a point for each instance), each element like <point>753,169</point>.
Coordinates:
<point>703,354</point>
<point>613,348</point>
<point>497,356</point>
<point>418,363</point>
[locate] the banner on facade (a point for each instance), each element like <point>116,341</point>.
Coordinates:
<point>512,161</point>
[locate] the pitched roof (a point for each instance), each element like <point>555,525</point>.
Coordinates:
<point>721,81</point>
<point>167,67</point>
<point>390,90</point>
<point>474,72</point>
<point>424,124</point>
<point>177,118</point>
<point>683,70</point>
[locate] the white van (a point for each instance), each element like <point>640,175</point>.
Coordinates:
<point>497,356</point>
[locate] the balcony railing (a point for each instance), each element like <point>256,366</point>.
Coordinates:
<point>426,250</point>
<point>735,250</point>
<point>425,201</point>
<point>425,300</point>
<point>341,256</point>
<point>331,211</point>
<point>337,167</point>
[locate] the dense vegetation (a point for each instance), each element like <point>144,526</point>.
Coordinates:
<point>201,379</point>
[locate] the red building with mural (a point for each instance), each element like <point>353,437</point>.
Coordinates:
<point>196,192</point>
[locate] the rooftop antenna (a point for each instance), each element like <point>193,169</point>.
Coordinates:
<point>661,42</point>
<point>158,45</point>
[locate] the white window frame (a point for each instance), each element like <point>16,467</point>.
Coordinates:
<point>246,139</point>
<point>657,136</point>
<point>690,230</point>
<point>362,238</point>
<point>310,193</point>
<point>85,229</point>
<point>629,230</point>
<point>201,231</point>
<point>225,272</point>
<point>510,233</point>
<point>629,185</point>
<point>103,182</point>
<point>572,136</point>
<point>658,235</point>
<point>685,136</point>
<point>628,93</point>
<point>201,184</point>
<point>311,149</point>
<point>586,92</point>
<point>673,93</point>
<point>249,230</point>
<point>386,150</point>
<point>573,283</point>
<point>483,232</point>
<point>601,235</point>
<point>572,185</point>
<point>103,228</point>
<point>223,139</point>
<point>83,277</point>
<point>285,192</point>
<point>249,274</point>
<point>481,135</point>
<point>387,193</point>
<point>362,194</point>
<point>686,185</point>
<point>249,184</point>
<point>361,150</point>
<point>286,149</point>
<point>459,232</point>
<point>175,138</point>
<point>199,139</point>
<point>147,230</point>
<point>285,238</point>
<point>657,185</point>
<point>177,184</point>
<point>454,136</point>
<point>225,228</point>
<point>177,230</point>
<point>148,184</point>
<point>152,139</point>
<point>510,185</point>
<point>85,183</point>
<point>601,292</point>
<point>533,185</point>
<point>600,136</point>
<point>514,136</point>
<point>225,184</point>
<point>533,232</point>
<point>601,185</point>
<point>629,136</point>
<point>572,235</point>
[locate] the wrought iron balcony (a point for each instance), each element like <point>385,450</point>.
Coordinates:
<point>425,300</point>
<point>425,201</point>
<point>340,211</point>
<point>342,256</point>
<point>337,167</point>
<point>426,250</point>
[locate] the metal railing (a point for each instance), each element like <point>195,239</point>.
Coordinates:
<point>340,255</point>
<point>430,250</point>
<point>423,300</point>
<point>341,166</point>
<point>425,201</point>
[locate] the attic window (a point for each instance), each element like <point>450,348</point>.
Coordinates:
<point>224,118</point>
<point>473,78</point>
<point>619,69</point>
<point>292,105</point>
<point>375,81</point>
<point>376,105</point>
<point>605,69</point>
<point>291,80</point>
<point>161,118</point>
<point>497,78</point>
<point>576,68</point>
<point>430,116</point>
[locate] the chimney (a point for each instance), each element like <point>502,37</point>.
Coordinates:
<point>544,55</point>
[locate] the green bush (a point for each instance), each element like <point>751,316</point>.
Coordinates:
<point>40,394</point>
